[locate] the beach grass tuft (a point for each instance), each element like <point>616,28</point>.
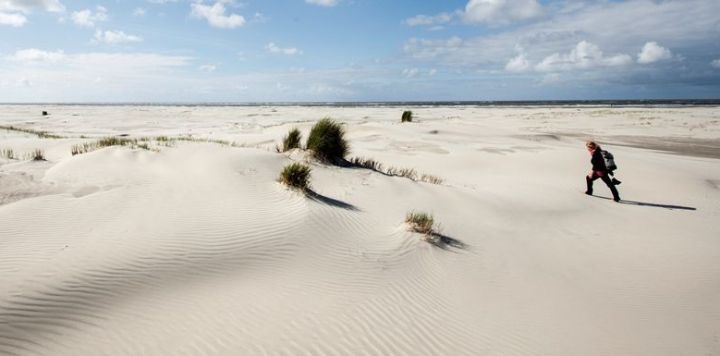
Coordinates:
<point>407,116</point>
<point>7,153</point>
<point>327,141</point>
<point>420,222</point>
<point>292,140</point>
<point>297,176</point>
<point>37,155</point>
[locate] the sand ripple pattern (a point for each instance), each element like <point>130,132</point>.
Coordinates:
<point>176,266</point>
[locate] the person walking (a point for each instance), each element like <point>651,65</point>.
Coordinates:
<point>599,170</point>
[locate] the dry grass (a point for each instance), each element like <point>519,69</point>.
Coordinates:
<point>40,134</point>
<point>369,163</point>
<point>107,142</point>
<point>7,153</point>
<point>420,222</point>
<point>37,155</point>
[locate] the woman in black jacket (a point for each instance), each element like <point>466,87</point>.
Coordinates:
<point>599,170</point>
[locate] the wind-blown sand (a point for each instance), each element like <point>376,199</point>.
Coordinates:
<point>196,249</point>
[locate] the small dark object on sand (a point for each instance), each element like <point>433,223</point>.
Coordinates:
<point>45,113</point>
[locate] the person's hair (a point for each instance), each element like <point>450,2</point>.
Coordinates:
<point>592,144</point>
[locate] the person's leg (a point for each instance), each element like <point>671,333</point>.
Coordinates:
<point>589,181</point>
<point>613,190</point>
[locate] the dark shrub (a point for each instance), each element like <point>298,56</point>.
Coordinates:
<point>327,141</point>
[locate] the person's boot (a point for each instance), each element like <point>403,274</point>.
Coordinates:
<point>589,183</point>
<point>616,195</point>
<point>615,181</point>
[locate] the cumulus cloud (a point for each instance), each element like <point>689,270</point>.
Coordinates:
<point>290,51</point>
<point>115,37</point>
<point>425,20</point>
<point>12,19</point>
<point>518,63</point>
<point>35,55</point>
<point>13,12</point>
<point>216,14</point>
<point>585,55</point>
<point>26,6</point>
<point>501,11</point>
<point>326,3</point>
<point>410,72</point>
<point>88,18</point>
<point>653,52</point>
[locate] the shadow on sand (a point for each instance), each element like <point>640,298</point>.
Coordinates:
<point>639,203</point>
<point>445,242</point>
<point>330,201</point>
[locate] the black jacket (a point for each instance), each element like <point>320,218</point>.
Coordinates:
<point>598,162</point>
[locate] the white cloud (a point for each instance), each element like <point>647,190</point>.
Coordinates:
<point>425,20</point>
<point>716,63</point>
<point>410,72</point>
<point>585,55</point>
<point>13,12</point>
<point>26,6</point>
<point>327,3</point>
<point>139,11</point>
<point>216,16</point>
<point>31,55</point>
<point>115,37</point>
<point>617,27</point>
<point>501,11</point>
<point>652,52</point>
<point>88,18</point>
<point>518,63</point>
<point>208,68</point>
<point>12,19</point>
<point>291,51</point>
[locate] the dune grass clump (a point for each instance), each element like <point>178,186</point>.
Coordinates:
<point>37,155</point>
<point>297,176</point>
<point>420,222</point>
<point>292,140</point>
<point>327,141</point>
<point>7,153</point>
<point>407,116</point>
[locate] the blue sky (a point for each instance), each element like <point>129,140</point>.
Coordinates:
<point>357,50</point>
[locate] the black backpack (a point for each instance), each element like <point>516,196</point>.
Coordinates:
<point>609,160</point>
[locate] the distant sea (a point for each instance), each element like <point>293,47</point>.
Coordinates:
<point>555,103</point>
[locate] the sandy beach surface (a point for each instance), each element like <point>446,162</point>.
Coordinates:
<point>192,247</point>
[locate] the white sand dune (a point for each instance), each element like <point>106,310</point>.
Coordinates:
<point>196,249</point>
